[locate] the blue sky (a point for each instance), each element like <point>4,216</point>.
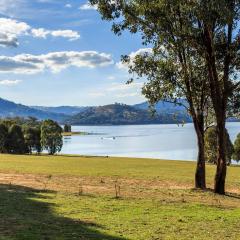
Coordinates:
<point>60,52</point>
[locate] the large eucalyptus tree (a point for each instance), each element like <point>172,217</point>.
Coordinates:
<point>174,69</point>
<point>195,55</point>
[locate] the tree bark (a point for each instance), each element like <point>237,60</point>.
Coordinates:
<point>200,175</point>
<point>219,184</point>
<point>219,100</point>
<point>200,178</point>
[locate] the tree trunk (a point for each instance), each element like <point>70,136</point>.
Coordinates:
<point>219,185</point>
<point>200,175</point>
<point>200,178</point>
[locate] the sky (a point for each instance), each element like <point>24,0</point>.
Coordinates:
<point>60,52</point>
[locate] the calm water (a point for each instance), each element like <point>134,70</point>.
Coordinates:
<point>150,141</point>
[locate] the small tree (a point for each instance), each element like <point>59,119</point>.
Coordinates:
<point>16,143</point>
<point>32,136</point>
<point>67,128</point>
<point>37,140</point>
<point>51,136</point>
<point>211,146</point>
<point>29,138</point>
<point>236,154</point>
<point>3,138</point>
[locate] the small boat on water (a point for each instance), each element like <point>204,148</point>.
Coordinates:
<point>108,138</point>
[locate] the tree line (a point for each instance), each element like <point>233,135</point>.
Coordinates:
<point>27,136</point>
<point>192,53</point>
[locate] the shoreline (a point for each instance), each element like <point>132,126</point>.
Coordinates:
<point>234,164</point>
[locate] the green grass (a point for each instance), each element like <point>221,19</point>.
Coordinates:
<point>157,201</point>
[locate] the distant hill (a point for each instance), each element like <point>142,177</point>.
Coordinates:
<point>164,107</point>
<point>113,114</point>
<point>11,109</point>
<point>67,110</point>
<point>117,114</point>
<point>161,107</point>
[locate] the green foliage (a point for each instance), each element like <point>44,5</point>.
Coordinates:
<point>236,155</point>
<point>16,142</point>
<point>3,138</point>
<point>29,128</point>
<point>8,122</point>
<point>173,68</point>
<point>30,122</point>
<point>67,128</point>
<point>51,136</point>
<point>32,136</point>
<point>19,136</point>
<point>211,145</point>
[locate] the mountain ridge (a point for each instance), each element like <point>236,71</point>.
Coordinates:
<point>122,114</point>
<point>111,114</point>
<point>11,109</point>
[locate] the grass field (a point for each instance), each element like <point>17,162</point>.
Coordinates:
<point>73,197</point>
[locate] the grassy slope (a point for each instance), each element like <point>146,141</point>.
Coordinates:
<point>77,200</point>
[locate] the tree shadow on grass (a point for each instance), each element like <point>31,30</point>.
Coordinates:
<point>232,195</point>
<point>211,190</point>
<point>23,217</point>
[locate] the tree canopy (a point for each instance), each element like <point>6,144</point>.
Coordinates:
<point>24,136</point>
<point>211,144</point>
<point>51,136</point>
<point>236,155</point>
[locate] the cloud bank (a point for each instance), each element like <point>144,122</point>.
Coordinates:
<point>11,29</point>
<point>54,61</point>
<point>7,82</point>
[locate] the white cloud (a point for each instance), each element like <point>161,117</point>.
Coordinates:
<point>43,33</point>
<point>111,77</point>
<point>8,40</point>
<point>88,6</point>
<point>132,56</point>
<point>7,82</point>
<point>39,32</point>
<point>72,35</point>
<point>68,5</point>
<point>54,61</point>
<point>11,29</point>
<point>12,26</point>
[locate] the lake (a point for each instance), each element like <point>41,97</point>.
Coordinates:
<point>165,141</point>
